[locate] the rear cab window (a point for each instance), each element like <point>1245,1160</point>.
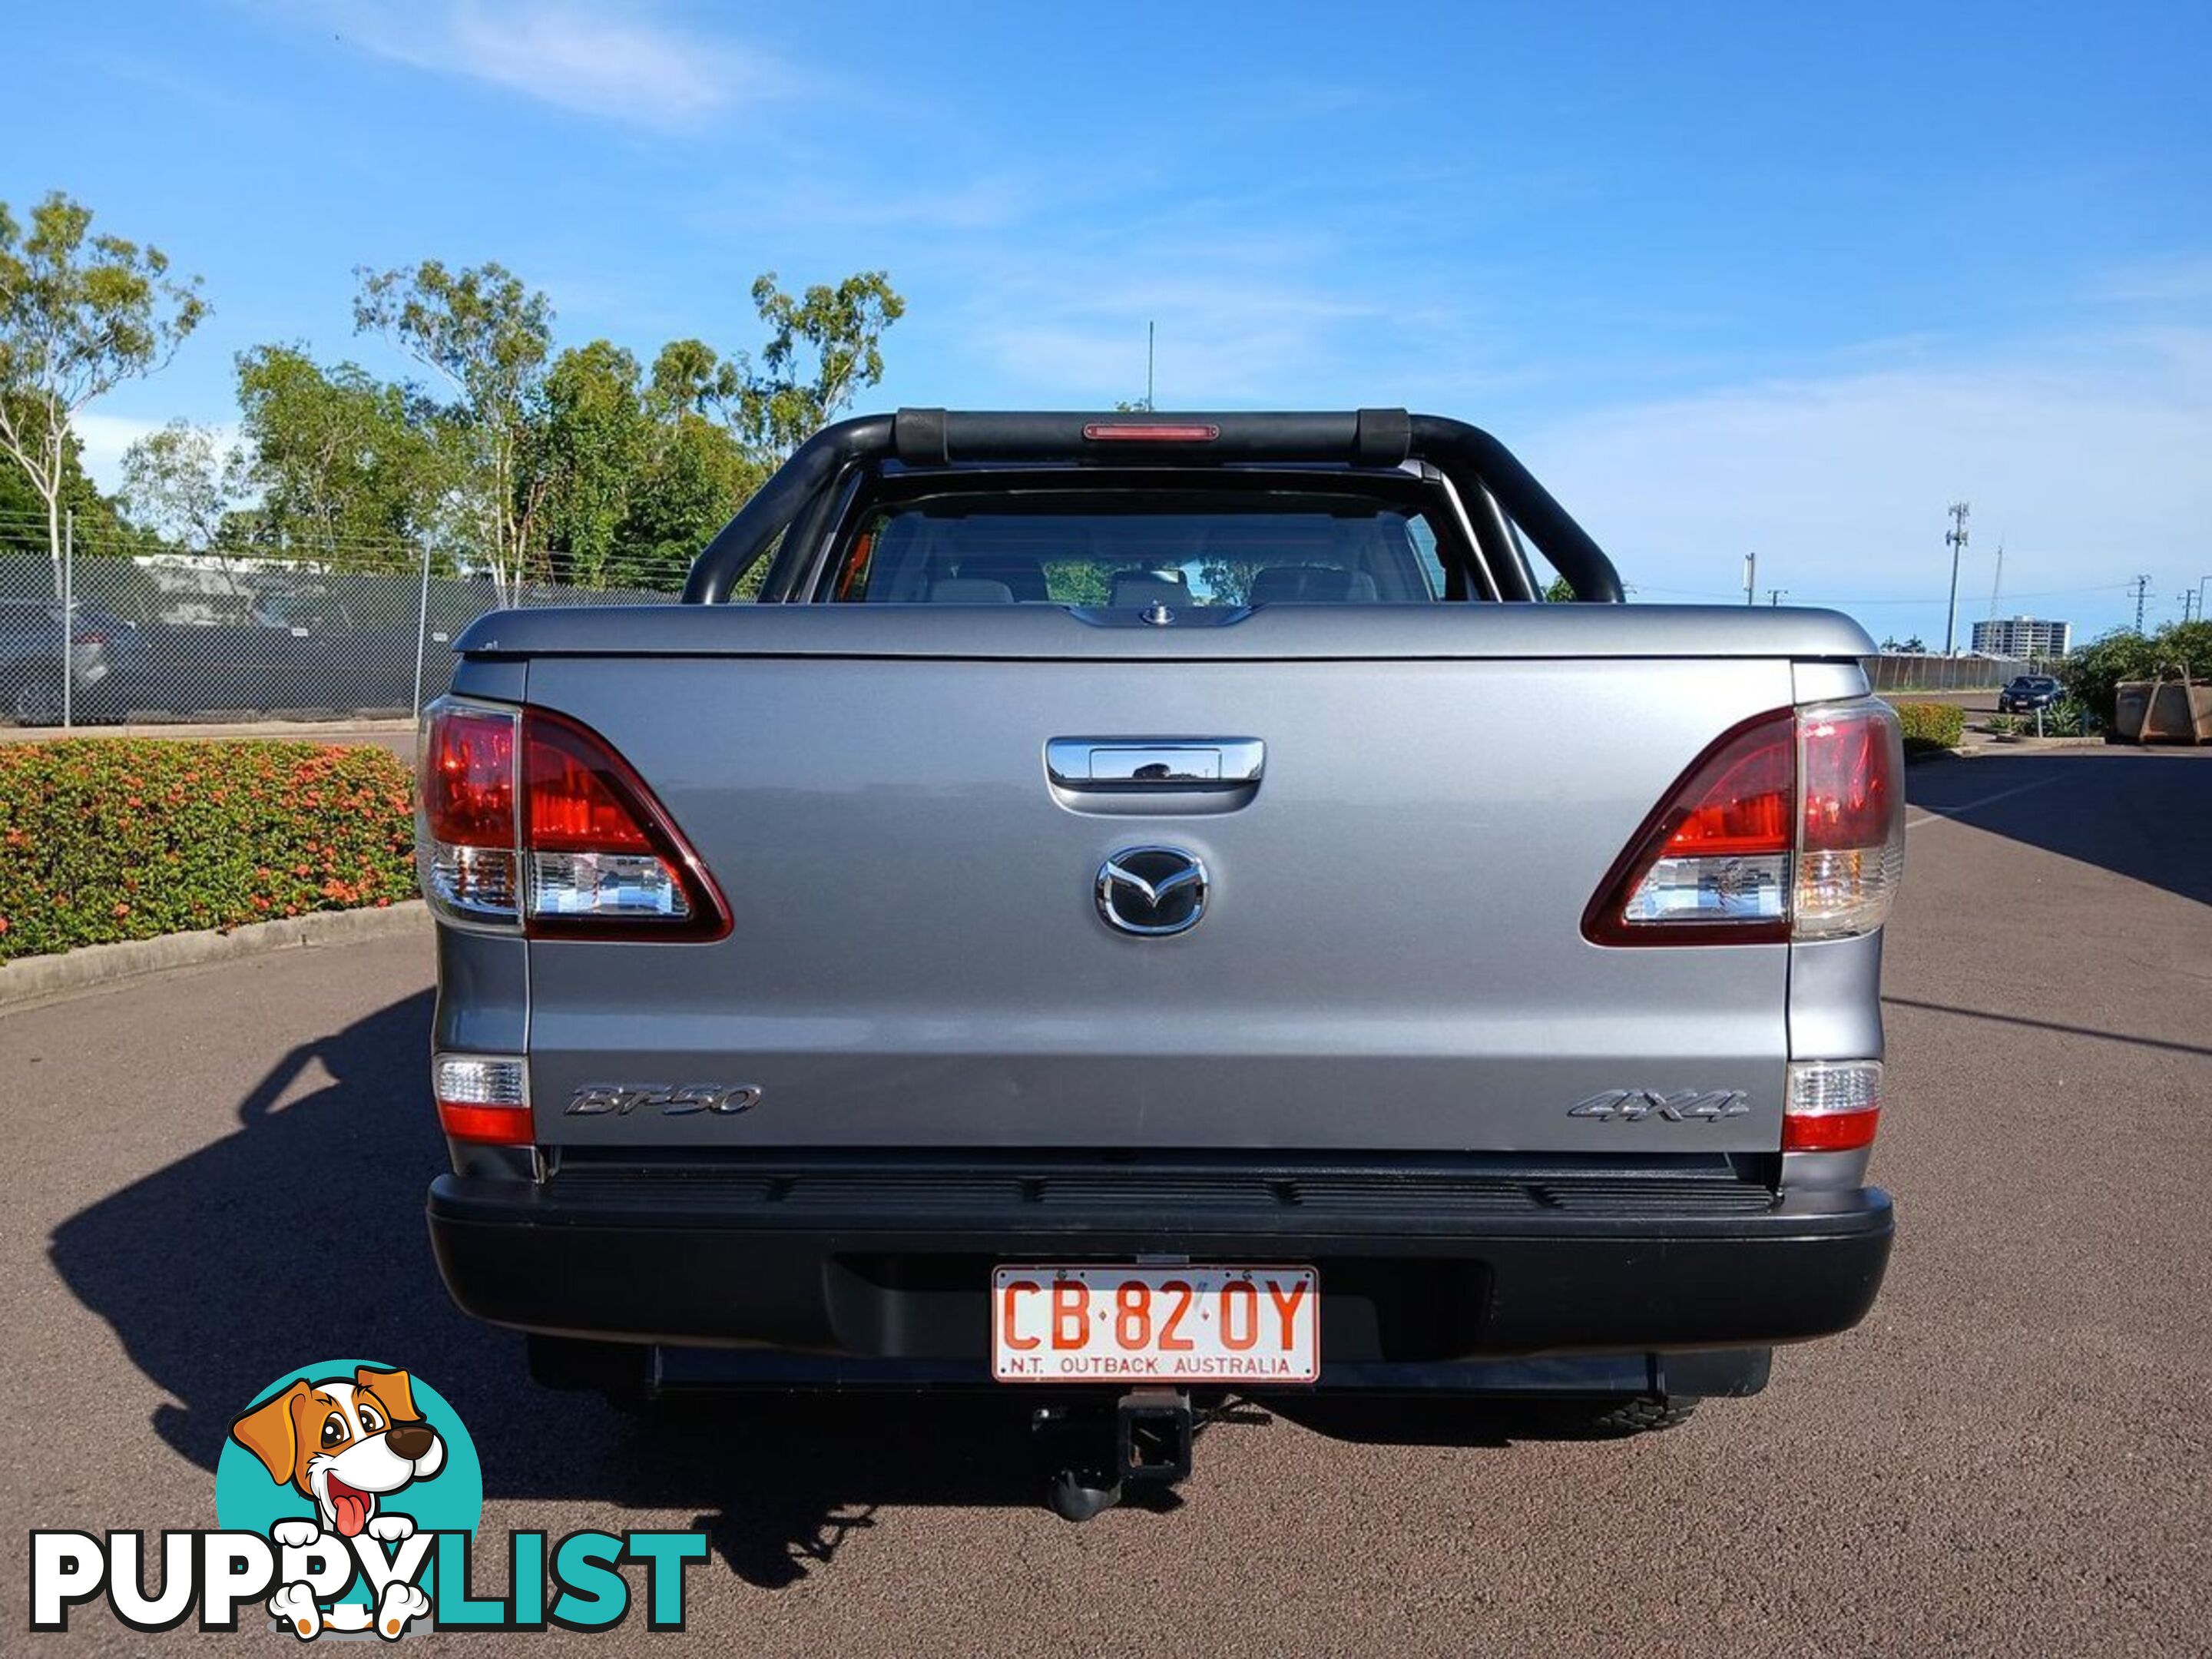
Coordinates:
<point>1091,543</point>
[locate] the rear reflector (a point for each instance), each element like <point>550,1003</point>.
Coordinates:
<point>484,1099</point>
<point>1789,825</point>
<point>1833,1105</point>
<point>529,818</point>
<point>1149,432</point>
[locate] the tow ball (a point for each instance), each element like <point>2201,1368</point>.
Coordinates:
<point>1150,1430</point>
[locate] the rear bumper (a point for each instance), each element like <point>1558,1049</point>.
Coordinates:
<point>1419,1268</point>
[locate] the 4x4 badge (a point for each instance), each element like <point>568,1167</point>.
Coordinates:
<point>1676,1106</point>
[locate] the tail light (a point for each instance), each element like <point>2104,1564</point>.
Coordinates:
<point>1790,826</point>
<point>529,818</point>
<point>88,636</point>
<point>1851,834</point>
<point>483,1098</point>
<point>470,865</point>
<point>1833,1105</point>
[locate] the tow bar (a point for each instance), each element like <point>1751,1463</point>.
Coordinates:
<point>1152,1434</point>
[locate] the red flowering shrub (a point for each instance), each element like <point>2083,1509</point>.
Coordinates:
<point>114,838</point>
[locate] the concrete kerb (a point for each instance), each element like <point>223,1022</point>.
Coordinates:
<point>41,979</point>
<point>363,729</point>
<point>1981,743</point>
<point>1977,744</point>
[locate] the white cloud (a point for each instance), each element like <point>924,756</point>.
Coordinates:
<point>609,60</point>
<point>2181,280</point>
<point>1234,324</point>
<point>102,439</point>
<point>1258,300</point>
<point>2085,460</point>
<point>2082,453</point>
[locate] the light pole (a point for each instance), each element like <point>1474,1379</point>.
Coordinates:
<point>1955,538</point>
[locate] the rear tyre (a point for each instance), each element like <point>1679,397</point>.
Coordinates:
<point>37,700</point>
<point>1639,1414</point>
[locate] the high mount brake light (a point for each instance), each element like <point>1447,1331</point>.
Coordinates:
<point>1790,825</point>
<point>1149,432</point>
<point>529,818</point>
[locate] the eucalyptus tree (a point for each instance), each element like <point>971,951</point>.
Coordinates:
<point>80,314</point>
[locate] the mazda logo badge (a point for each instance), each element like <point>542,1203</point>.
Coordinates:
<point>1152,892</point>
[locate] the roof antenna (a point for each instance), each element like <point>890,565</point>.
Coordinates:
<point>1149,405</point>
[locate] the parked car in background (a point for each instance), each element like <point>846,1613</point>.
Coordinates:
<point>107,658</point>
<point>2027,693</point>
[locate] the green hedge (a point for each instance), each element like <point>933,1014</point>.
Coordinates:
<point>2093,673</point>
<point>117,838</point>
<point>1930,727</point>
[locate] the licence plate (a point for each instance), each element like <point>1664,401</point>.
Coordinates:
<point>1155,1324</point>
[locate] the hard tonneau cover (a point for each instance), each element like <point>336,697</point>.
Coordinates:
<point>1286,633</point>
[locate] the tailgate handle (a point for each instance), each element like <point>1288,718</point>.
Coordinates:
<point>1149,764</point>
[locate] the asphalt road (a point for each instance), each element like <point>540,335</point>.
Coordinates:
<point>216,1176</point>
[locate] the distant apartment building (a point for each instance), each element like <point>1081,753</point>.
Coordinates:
<point>2022,637</point>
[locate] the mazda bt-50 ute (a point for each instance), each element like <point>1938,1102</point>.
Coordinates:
<point>1138,906</point>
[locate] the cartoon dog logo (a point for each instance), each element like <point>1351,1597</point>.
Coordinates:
<point>346,1444</point>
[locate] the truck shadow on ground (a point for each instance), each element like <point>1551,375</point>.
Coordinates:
<point>2063,803</point>
<point>299,1236</point>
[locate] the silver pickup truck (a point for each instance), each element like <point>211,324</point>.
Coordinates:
<point>1139,906</point>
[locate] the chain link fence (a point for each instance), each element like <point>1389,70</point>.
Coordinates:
<point>159,636</point>
<point>156,636</point>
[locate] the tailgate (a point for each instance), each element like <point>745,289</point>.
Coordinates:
<point>1391,955</point>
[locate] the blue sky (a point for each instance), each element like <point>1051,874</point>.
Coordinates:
<point>1729,278</point>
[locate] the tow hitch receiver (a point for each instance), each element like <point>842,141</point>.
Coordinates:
<point>1153,1434</point>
